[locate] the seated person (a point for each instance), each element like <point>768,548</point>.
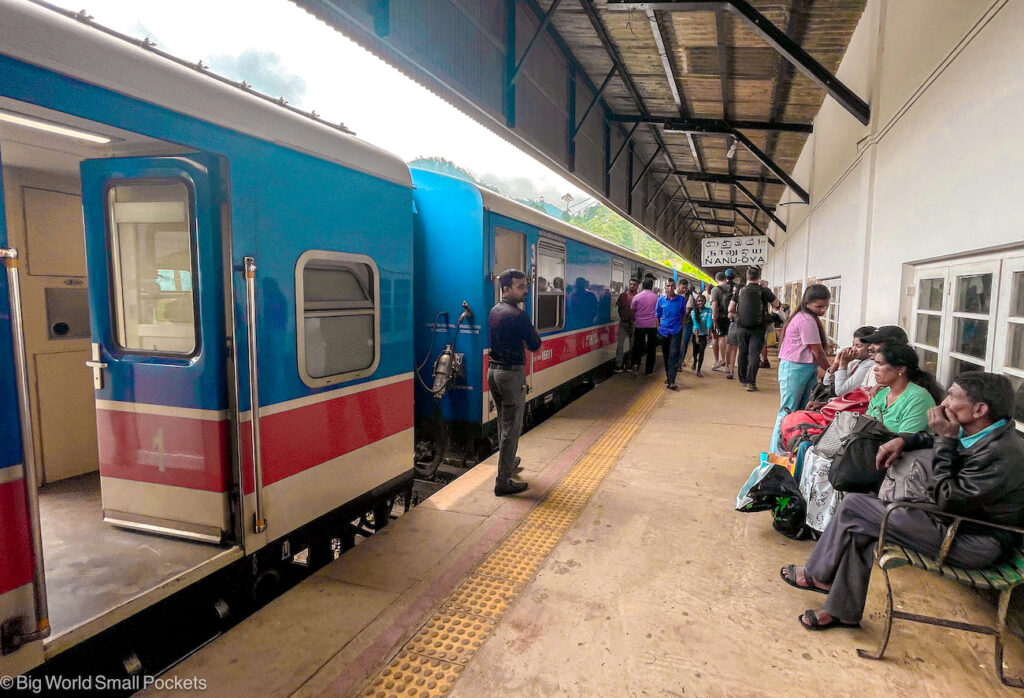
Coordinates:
<point>877,340</point>
<point>978,471</point>
<point>901,404</point>
<point>850,367</point>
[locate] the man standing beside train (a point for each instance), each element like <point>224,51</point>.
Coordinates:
<point>510,329</point>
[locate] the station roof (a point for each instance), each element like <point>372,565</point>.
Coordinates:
<point>685,117</point>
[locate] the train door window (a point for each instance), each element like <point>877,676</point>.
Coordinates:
<point>151,243</point>
<point>509,253</point>
<point>338,323</point>
<point>617,285</point>
<point>550,302</point>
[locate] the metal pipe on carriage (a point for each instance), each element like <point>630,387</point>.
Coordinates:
<point>259,522</point>
<point>10,257</point>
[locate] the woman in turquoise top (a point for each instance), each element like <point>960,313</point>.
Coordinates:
<point>901,404</point>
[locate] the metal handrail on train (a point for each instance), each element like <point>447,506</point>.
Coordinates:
<point>42,630</point>
<point>259,522</point>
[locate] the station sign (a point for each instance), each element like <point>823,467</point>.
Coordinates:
<point>748,250</point>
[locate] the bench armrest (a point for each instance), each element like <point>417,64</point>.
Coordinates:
<point>934,510</point>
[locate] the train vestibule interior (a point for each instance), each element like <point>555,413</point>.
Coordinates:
<point>91,566</point>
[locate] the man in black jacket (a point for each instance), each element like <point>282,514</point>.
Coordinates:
<point>978,471</point>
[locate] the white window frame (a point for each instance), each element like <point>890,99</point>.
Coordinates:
<point>617,267</point>
<point>831,322</point>
<point>300,316</point>
<point>1002,266</point>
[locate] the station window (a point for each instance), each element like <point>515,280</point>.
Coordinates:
<point>969,316</point>
<point>151,249</point>
<point>835,288</point>
<point>617,285</point>
<point>338,317</point>
<point>550,295</point>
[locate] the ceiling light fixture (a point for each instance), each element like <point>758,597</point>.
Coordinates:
<point>732,150</point>
<point>50,127</point>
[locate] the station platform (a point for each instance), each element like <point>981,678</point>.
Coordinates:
<point>623,571</point>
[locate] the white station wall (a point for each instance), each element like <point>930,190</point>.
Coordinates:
<point>938,170</point>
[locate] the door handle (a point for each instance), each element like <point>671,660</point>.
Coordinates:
<point>97,367</point>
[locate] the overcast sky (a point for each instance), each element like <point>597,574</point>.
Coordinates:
<point>283,51</point>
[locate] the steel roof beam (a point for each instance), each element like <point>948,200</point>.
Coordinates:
<point>776,38</point>
<point>597,97</point>
<point>723,205</point>
<point>695,125</point>
<point>760,204</point>
<point>536,35</point>
<point>627,79</point>
<point>749,220</point>
<point>723,178</point>
<point>622,147</point>
<point>650,162</point>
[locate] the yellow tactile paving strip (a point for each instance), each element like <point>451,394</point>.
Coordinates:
<point>430,663</point>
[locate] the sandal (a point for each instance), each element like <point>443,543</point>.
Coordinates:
<point>814,624</point>
<point>788,574</point>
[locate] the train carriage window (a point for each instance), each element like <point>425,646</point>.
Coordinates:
<point>551,294</point>
<point>338,324</point>
<point>151,249</point>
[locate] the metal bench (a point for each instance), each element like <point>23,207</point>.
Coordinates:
<point>1004,578</point>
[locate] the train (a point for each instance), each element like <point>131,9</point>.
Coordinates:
<point>232,333</point>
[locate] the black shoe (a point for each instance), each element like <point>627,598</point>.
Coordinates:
<point>765,364</point>
<point>751,388</point>
<point>510,487</point>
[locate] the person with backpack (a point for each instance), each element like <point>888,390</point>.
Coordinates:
<point>721,296</point>
<point>749,309</point>
<point>690,299</point>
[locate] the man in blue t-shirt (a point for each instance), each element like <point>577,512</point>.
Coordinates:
<point>669,312</point>
<point>510,328</point>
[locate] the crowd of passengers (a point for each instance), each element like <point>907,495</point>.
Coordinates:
<point>732,316</point>
<point>965,437</point>
<point>974,464</point>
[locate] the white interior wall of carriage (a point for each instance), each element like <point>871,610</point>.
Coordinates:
<point>936,173</point>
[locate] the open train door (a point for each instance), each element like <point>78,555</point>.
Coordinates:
<point>155,254</point>
<point>23,611</point>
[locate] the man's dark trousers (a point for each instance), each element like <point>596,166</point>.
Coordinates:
<point>508,390</point>
<point>749,358</point>
<point>645,343</point>
<point>845,553</point>
<point>670,353</point>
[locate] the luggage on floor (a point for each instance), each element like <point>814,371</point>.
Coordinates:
<point>770,480</point>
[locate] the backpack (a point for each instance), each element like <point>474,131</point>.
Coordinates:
<point>802,425</point>
<point>750,307</point>
<point>725,299</point>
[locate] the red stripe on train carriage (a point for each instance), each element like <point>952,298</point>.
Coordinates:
<point>554,351</point>
<point>307,436</point>
<point>15,541</point>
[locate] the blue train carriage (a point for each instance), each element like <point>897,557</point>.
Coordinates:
<point>464,237</point>
<point>235,253</point>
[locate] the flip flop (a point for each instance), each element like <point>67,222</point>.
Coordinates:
<point>812,622</point>
<point>790,570</point>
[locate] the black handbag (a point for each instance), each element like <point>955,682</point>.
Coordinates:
<point>853,461</point>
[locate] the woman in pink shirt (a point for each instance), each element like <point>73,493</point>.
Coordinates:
<point>801,352</point>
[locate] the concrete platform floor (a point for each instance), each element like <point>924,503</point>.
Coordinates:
<point>659,588</point>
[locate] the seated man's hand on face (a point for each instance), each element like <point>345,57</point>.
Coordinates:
<point>943,422</point>
<point>888,452</point>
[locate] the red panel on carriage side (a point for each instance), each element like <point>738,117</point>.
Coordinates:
<point>15,542</point>
<point>165,450</point>
<point>307,436</point>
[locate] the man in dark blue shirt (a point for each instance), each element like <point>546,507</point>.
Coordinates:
<point>510,328</point>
